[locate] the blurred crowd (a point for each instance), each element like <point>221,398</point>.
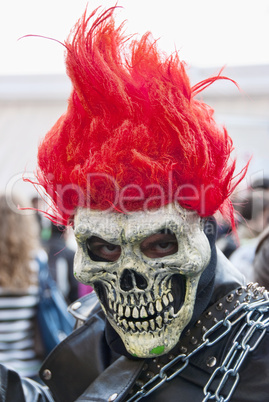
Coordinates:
<point>26,242</point>
<point>248,247</point>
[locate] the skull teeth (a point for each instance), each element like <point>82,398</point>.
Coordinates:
<point>138,325</point>
<point>144,300</point>
<point>159,306</point>
<point>145,325</point>
<point>132,325</point>
<point>151,309</point>
<point>170,297</point>
<point>120,311</point>
<point>143,312</point>
<point>152,324</point>
<point>165,300</point>
<point>125,324</point>
<point>159,321</point>
<point>127,312</point>
<point>135,312</point>
<point>141,318</point>
<point>166,317</point>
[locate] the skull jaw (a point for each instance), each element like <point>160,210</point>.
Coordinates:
<point>155,343</point>
<point>162,338</point>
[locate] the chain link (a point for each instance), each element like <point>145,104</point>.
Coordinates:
<point>245,341</point>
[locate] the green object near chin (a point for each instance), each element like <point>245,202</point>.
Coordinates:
<point>157,351</point>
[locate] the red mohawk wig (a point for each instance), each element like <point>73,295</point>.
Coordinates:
<point>133,136</point>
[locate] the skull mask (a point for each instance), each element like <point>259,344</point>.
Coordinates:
<point>145,268</point>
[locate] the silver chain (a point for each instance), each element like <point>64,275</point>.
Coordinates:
<point>244,342</point>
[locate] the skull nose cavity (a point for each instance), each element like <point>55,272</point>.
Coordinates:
<point>131,279</point>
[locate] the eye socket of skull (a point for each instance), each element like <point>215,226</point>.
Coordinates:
<point>160,244</point>
<point>101,250</point>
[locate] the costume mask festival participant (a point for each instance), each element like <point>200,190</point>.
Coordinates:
<point>138,164</point>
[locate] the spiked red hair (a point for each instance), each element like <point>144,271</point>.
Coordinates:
<point>133,134</point>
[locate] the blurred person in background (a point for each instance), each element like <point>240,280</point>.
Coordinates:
<point>60,261</point>
<point>20,347</point>
<point>254,217</point>
<point>253,209</point>
<point>261,260</point>
<point>225,240</point>
<point>43,225</point>
<point>252,213</point>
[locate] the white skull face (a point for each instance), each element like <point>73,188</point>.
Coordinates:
<point>145,268</point>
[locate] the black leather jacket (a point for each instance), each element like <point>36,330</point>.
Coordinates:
<point>71,370</point>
